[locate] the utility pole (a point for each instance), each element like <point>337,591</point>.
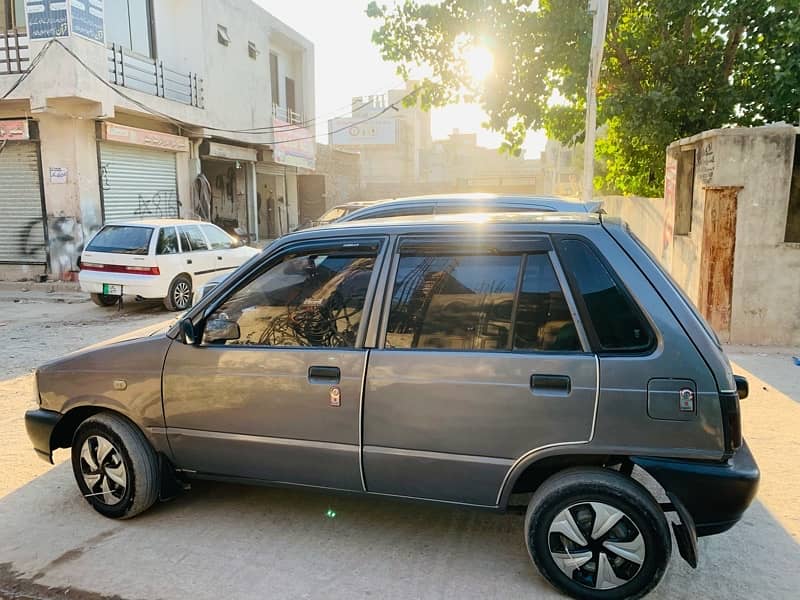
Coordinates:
<point>599,9</point>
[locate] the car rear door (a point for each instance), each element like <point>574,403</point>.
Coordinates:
<point>482,360</point>
<point>282,401</point>
<point>197,258</point>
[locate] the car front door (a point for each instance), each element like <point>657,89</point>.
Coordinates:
<point>482,361</point>
<point>272,390</point>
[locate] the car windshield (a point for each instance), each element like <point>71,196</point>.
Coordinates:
<point>337,212</point>
<point>122,239</point>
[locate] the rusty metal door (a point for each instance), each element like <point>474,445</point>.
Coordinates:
<point>716,261</point>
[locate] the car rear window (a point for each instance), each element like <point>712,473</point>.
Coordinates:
<point>617,324</point>
<point>122,239</point>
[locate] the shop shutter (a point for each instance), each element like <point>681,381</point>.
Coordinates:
<point>137,183</point>
<point>21,222</point>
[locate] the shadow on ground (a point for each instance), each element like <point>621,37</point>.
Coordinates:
<point>231,541</point>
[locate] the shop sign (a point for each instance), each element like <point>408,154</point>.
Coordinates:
<point>228,152</point>
<point>144,137</point>
<point>363,132</point>
<point>14,130</point>
<point>47,19</point>
<point>294,145</point>
<point>87,19</point>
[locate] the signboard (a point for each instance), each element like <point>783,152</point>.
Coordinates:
<point>87,19</point>
<point>294,145</point>
<point>58,175</point>
<point>217,150</point>
<point>144,137</point>
<point>14,130</point>
<point>358,132</point>
<point>47,19</point>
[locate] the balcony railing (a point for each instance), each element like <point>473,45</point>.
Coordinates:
<point>150,76</point>
<point>14,52</point>
<point>286,115</point>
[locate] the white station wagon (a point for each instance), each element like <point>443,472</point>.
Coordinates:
<point>157,259</point>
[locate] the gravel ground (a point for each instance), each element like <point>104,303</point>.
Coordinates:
<point>230,541</point>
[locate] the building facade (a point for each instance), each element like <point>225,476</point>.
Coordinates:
<point>139,109</point>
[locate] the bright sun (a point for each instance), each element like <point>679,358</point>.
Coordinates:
<point>479,62</point>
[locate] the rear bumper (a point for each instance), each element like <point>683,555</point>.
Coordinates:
<point>146,286</point>
<point>39,425</point>
<point>715,494</point>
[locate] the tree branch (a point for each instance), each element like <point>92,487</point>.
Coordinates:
<point>734,39</point>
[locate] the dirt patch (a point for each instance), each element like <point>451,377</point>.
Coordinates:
<point>13,586</point>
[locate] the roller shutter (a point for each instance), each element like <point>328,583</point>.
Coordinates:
<point>137,183</point>
<point>21,222</point>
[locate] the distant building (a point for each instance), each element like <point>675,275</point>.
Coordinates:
<point>561,169</point>
<point>156,94</point>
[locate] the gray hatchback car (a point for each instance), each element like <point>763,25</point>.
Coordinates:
<point>457,359</point>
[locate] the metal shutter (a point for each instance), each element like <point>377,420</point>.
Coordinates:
<point>138,183</point>
<point>21,223</point>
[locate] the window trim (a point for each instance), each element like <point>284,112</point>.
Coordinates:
<point>593,339</point>
<point>279,255</point>
<point>515,244</point>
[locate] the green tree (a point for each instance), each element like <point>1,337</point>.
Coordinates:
<point>671,68</point>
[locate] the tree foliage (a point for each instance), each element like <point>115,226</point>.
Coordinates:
<point>671,68</point>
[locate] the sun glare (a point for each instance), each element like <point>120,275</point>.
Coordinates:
<point>479,62</point>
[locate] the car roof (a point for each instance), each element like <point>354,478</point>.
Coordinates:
<point>453,221</point>
<point>556,203</point>
<point>157,222</point>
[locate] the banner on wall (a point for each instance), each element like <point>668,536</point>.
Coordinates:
<point>47,19</point>
<point>294,145</point>
<point>58,18</point>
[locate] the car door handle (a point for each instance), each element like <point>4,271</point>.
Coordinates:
<point>219,258</point>
<point>322,374</point>
<point>551,384</point>
<point>188,261</point>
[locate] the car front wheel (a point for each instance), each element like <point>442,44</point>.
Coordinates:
<point>115,466</point>
<point>597,534</point>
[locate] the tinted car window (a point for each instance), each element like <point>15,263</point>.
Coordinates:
<point>617,323</point>
<point>218,239</point>
<point>192,238</point>
<point>312,299</point>
<point>122,239</point>
<point>453,302</point>
<point>543,320</point>
<point>167,241</point>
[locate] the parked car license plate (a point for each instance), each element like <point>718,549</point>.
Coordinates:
<point>112,289</point>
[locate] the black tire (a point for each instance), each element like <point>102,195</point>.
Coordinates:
<point>104,299</point>
<point>177,299</point>
<point>132,450</point>
<point>571,490</point>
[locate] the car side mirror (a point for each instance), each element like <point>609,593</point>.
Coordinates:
<point>220,329</point>
<point>188,331</point>
<point>742,387</point>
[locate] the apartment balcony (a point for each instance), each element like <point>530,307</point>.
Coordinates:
<point>144,74</point>
<point>286,115</point>
<point>14,52</point>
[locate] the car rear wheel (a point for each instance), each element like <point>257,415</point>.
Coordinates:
<point>104,299</point>
<point>597,534</point>
<point>115,466</point>
<point>179,296</point>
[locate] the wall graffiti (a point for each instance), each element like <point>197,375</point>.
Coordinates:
<point>66,238</point>
<point>160,204</point>
<point>705,163</point>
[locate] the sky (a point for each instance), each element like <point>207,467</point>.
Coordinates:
<point>348,64</point>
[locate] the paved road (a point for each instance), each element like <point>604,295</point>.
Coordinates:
<point>229,541</point>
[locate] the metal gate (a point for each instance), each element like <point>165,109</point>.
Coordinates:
<point>137,183</point>
<point>22,238</point>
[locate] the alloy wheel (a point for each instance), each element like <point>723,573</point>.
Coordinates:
<point>103,470</point>
<point>181,295</point>
<point>596,545</point>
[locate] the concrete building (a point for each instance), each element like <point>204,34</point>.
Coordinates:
<point>562,168</point>
<point>195,109</point>
<point>728,229</point>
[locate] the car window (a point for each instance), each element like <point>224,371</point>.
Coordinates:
<point>313,299</point>
<point>453,302</point>
<point>337,212</point>
<point>617,322</point>
<point>192,238</point>
<point>167,241</point>
<point>543,320</point>
<point>122,239</point>
<point>218,239</point>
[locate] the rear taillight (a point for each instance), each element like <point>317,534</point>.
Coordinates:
<point>120,269</point>
<point>731,421</point>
